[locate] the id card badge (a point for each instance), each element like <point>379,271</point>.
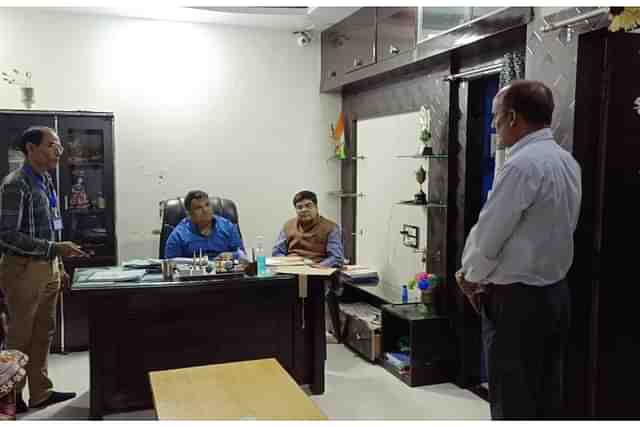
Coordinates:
<point>57,223</point>
<point>57,220</point>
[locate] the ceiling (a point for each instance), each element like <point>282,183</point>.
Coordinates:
<point>277,18</point>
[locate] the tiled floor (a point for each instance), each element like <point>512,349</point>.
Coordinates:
<point>354,390</point>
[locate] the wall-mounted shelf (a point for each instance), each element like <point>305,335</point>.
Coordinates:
<point>428,204</point>
<point>345,195</point>
<point>420,156</point>
<point>348,158</point>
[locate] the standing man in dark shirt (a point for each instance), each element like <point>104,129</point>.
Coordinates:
<point>31,273</point>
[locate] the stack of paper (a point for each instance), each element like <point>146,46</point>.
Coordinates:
<point>359,275</point>
<point>282,261</point>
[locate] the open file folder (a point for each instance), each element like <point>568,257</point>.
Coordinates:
<point>115,276</point>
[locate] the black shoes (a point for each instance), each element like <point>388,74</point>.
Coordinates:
<point>21,407</point>
<point>55,397</point>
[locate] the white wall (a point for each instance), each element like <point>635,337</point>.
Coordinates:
<point>233,111</point>
<point>385,181</point>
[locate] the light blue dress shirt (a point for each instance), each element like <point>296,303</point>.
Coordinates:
<point>525,230</point>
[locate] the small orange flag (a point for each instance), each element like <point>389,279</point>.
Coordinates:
<point>339,128</point>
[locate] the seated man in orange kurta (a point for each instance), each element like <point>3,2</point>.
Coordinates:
<point>310,235</point>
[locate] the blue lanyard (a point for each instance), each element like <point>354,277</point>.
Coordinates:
<point>39,179</point>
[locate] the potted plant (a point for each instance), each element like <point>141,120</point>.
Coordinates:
<point>23,80</point>
<point>426,283</point>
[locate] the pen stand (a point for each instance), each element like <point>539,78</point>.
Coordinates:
<point>251,269</point>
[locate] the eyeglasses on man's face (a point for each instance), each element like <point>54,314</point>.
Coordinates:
<point>59,149</point>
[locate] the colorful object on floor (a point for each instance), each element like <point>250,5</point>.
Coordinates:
<point>12,363</point>
<point>337,135</point>
<point>624,18</point>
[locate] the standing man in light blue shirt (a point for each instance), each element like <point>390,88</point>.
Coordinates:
<point>517,255</point>
<point>310,235</point>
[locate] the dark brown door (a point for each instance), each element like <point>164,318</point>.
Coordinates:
<point>396,31</point>
<point>618,335</point>
<point>604,346</point>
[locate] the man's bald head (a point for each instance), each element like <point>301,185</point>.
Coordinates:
<point>531,99</point>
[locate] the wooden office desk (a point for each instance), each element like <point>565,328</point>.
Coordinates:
<point>136,328</point>
<point>249,390</point>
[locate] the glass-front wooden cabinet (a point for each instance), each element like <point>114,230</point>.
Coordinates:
<point>85,185</point>
<point>435,20</point>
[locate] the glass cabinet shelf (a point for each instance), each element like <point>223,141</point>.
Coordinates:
<point>420,156</point>
<point>87,163</point>
<point>88,211</point>
<point>427,205</point>
<point>345,195</point>
<point>347,158</point>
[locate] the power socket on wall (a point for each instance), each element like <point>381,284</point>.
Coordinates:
<point>410,236</point>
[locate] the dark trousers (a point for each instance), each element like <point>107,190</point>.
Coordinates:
<point>524,331</point>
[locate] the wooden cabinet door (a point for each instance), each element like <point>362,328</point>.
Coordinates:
<point>396,31</point>
<point>360,36</point>
<point>333,53</point>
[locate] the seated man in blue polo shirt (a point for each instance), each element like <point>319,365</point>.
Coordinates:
<point>202,230</point>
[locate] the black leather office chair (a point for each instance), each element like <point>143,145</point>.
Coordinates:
<point>173,211</point>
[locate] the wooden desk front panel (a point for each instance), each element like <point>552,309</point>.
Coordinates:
<point>133,334</point>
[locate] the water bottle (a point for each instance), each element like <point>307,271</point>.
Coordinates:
<point>260,257</point>
<point>405,294</point>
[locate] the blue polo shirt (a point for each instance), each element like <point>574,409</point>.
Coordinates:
<point>185,239</point>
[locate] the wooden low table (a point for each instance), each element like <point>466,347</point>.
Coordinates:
<point>249,390</point>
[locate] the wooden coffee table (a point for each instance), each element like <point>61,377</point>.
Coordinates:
<point>249,390</point>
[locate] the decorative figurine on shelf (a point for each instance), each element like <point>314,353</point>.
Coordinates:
<point>425,148</point>
<point>73,147</point>
<point>420,198</point>
<point>100,201</point>
<point>79,199</point>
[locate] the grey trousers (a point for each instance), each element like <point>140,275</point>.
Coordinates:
<point>524,332</point>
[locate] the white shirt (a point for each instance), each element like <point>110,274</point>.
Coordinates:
<point>525,229</point>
